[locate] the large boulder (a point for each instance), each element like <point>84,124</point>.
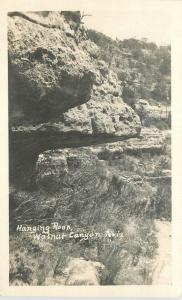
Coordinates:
<point>48,71</point>
<point>57,83</point>
<point>105,117</point>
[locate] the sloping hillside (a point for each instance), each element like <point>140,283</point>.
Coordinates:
<point>143,67</point>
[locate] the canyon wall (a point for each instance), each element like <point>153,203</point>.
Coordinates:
<point>80,157</point>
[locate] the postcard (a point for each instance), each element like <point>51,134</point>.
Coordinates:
<point>90,180</point>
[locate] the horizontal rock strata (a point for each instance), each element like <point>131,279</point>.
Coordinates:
<point>77,156</point>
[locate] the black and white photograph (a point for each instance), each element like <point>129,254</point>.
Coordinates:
<point>89,115</point>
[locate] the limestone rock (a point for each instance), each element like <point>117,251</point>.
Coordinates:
<point>49,72</point>
<point>69,171</point>
<point>93,118</point>
<point>151,140</point>
<point>58,85</point>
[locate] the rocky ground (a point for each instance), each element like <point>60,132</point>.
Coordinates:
<point>80,157</point>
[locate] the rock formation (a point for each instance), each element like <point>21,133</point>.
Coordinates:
<point>77,154</point>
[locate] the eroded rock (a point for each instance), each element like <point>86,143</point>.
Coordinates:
<point>48,72</point>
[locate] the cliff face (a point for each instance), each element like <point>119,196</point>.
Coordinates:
<point>76,157</point>
<point>60,94</point>
<point>50,73</point>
